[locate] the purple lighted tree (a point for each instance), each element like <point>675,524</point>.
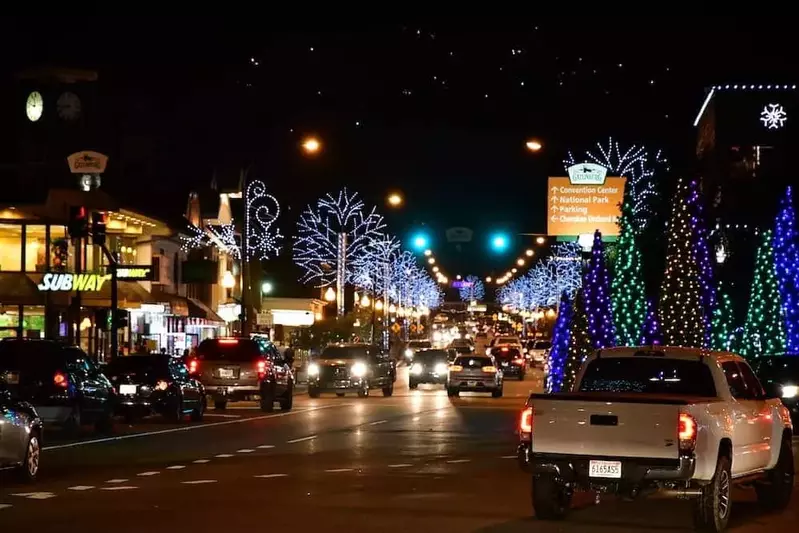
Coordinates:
<point>702,256</point>
<point>651,331</point>
<point>598,306</point>
<point>786,265</point>
<point>560,344</point>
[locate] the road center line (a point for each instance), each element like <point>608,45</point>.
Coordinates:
<point>265,447</point>
<point>117,481</point>
<point>198,482</point>
<point>401,465</point>
<point>378,422</point>
<point>292,441</point>
<point>81,487</point>
<point>123,487</point>
<point>176,467</point>
<point>338,470</point>
<point>4,506</point>
<point>189,428</point>
<point>245,450</point>
<point>147,474</point>
<point>224,455</point>
<point>508,457</point>
<point>267,476</point>
<point>458,461</point>
<point>201,461</point>
<point>36,495</point>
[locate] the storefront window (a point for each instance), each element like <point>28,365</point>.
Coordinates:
<point>9,321</point>
<point>11,247</point>
<point>33,321</point>
<point>62,257</point>
<point>123,248</point>
<point>35,248</point>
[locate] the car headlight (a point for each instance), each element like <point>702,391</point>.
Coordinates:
<point>408,352</point>
<point>313,369</point>
<point>416,369</point>
<point>790,391</point>
<point>358,370</point>
<point>441,368</point>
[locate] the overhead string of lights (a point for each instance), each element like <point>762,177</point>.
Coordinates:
<point>432,264</point>
<point>524,260</point>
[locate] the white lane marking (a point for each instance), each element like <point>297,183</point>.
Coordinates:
<point>338,470</point>
<point>378,422</point>
<point>201,461</point>
<point>220,415</point>
<point>198,482</point>
<point>265,447</point>
<point>245,450</point>
<point>4,506</point>
<point>121,487</point>
<point>176,467</point>
<point>35,495</point>
<point>223,455</point>
<point>458,461</point>
<point>190,428</point>
<point>267,476</point>
<point>81,487</point>
<point>416,418</point>
<point>401,465</point>
<point>117,481</point>
<point>508,457</point>
<point>147,474</point>
<point>303,439</point>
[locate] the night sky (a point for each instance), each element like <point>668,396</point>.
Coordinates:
<point>439,112</point>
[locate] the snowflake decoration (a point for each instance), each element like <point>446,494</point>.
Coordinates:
<point>773,116</point>
<point>224,236</point>
<point>261,212</point>
<point>196,239</point>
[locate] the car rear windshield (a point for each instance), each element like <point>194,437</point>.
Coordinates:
<point>648,375</point>
<point>420,344</point>
<point>473,362</point>
<point>228,350</point>
<point>428,356</point>
<point>507,340</point>
<point>343,352</point>
<point>543,345</point>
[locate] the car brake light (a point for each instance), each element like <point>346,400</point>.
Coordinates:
<point>261,368</point>
<point>526,421</point>
<point>686,432</point>
<point>60,380</point>
<point>505,349</point>
<point>228,341</point>
<point>519,361</point>
<point>455,368</point>
<point>162,385</point>
<point>489,369</point>
<point>194,365</point>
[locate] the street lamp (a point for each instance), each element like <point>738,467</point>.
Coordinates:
<point>488,279</point>
<point>330,295</point>
<point>499,242</point>
<point>529,253</point>
<point>534,145</point>
<point>420,242</point>
<point>520,262</point>
<point>394,199</point>
<point>311,145</point>
<point>541,240</point>
<point>266,287</point>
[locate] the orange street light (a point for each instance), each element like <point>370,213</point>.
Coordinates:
<point>534,145</point>
<point>311,145</point>
<point>394,199</point>
<point>541,240</point>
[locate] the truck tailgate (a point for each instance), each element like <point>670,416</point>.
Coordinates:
<point>604,427</point>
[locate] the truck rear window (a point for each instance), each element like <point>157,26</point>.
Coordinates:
<point>229,350</point>
<point>649,375</point>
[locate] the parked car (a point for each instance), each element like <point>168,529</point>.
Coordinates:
<point>780,378</point>
<point>148,384</point>
<point>683,422</point>
<point>429,366</point>
<point>64,385</point>
<point>20,435</point>
<point>236,369</point>
<point>469,373</point>
<point>343,368</point>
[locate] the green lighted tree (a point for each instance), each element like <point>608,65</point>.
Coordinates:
<point>627,289</point>
<point>723,323</point>
<point>579,342</point>
<point>764,333</point>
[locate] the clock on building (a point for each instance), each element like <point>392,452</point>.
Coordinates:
<point>68,106</point>
<point>34,106</point>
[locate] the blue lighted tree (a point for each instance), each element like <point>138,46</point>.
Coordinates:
<point>786,263</point>
<point>472,290</point>
<point>330,236</point>
<point>596,291</point>
<point>651,331</point>
<point>560,345</point>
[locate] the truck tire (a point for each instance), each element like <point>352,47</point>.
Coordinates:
<point>267,402</point>
<point>712,507</point>
<point>551,500</point>
<point>775,494</point>
<point>452,392</point>
<point>313,392</point>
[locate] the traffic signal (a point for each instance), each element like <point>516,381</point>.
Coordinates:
<point>98,228</point>
<point>500,242</point>
<point>78,225</point>
<point>122,318</point>
<point>420,241</point>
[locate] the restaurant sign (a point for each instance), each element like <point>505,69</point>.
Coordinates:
<point>67,281</point>
<point>135,273</point>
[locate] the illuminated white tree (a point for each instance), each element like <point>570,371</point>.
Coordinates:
<point>473,290</point>
<point>637,165</point>
<point>332,235</point>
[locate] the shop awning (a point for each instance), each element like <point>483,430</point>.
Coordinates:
<point>178,305</point>
<point>18,288</point>
<point>130,295</point>
<point>197,309</point>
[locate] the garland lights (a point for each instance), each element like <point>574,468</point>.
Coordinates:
<point>763,331</point>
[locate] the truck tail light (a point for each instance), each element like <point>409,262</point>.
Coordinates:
<point>194,366</point>
<point>526,421</point>
<point>490,369</point>
<point>261,367</point>
<point>60,380</point>
<point>456,368</point>
<point>686,432</point>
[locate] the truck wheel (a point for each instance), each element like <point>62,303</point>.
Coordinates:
<point>313,392</point>
<point>267,399</point>
<point>497,393</point>
<point>363,393</point>
<point>452,392</point>
<point>413,385</point>
<point>776,493</point>
<point>712,508</point>
<point>388,391</point>
<point>287,401</point>
<point>551,500</point>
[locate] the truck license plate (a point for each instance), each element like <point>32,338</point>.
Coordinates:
<point>607,469</point>
<point>226,373</point>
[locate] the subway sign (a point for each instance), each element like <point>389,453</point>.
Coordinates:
<point>67,281</point>
<point>135,273</point>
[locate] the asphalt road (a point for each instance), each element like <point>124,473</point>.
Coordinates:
<point>417,461</point>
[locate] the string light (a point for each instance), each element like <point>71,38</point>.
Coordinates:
<point>722,325</point>
<point>596,291</point>
<point>472,289</point>
<point>560,345</point>
<point>224,236</point>
<point>682,313</point>
<point>629,299</point>
<point>579,342</point>
<point>786,263</point>
<point>196,238</point>
<point>651,331</point>
<point>264,239</point>
<point>763,331</point>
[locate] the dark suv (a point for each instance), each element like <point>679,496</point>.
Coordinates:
<point>351,367</point>
<point>236,369</point>
<point>64,385</point>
